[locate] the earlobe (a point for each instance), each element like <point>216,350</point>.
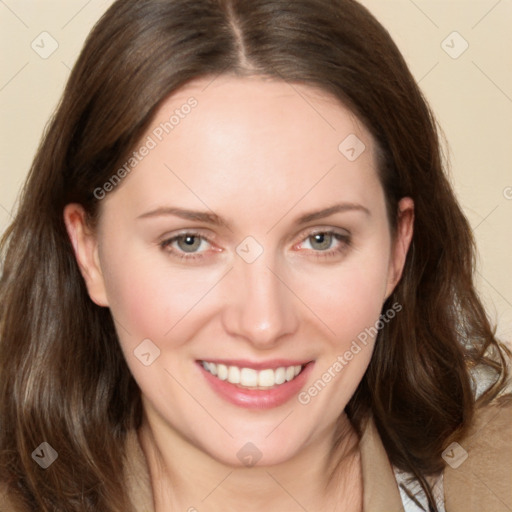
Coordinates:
<point>401,244</point>
<point>85,246</point>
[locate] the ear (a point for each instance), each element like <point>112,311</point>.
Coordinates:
<point>85,245</point>
<point>401,243</point>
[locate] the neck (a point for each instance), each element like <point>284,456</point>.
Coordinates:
<point>325,475</point>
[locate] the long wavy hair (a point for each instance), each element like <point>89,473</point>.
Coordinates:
<point>63,378</point>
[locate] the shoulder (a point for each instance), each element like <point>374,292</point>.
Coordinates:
<point>479,467</point>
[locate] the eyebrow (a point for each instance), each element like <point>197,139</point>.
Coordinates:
<point>331,210</point>
<point>214,219</point>
<point>199,216</point>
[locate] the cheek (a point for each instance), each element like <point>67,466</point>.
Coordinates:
<point>148,298</point>
<point>350,305</point>
<point>348,298</point>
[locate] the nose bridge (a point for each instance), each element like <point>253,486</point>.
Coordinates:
<point>262,308</point>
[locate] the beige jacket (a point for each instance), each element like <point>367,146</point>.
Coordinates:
<point>482,482</point>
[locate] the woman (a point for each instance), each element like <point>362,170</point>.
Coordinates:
<point>238,278</point>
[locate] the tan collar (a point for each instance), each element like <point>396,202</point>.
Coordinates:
<point>380,488</point>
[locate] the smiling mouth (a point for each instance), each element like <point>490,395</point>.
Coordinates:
<point>249,378</point>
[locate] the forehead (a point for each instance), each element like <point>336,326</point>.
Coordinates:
<point>231,111</point>
<point>259,142</point>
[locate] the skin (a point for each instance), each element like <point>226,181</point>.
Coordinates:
<point>259,154</point>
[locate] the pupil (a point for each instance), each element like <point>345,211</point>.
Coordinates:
<point>189,243</point>
<point>321,241</point>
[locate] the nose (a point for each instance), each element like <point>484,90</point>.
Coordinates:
<point>261,308</point>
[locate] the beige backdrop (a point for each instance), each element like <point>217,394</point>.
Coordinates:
<point>458,50</point>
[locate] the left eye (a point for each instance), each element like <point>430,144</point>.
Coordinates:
<point>187,243</point>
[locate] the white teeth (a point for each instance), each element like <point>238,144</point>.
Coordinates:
<point>233,374</point>
<point>266,378</point>
<point>250,378</point>
<point>280,376</point>
<point>222,371</point>
<point>212,368</point>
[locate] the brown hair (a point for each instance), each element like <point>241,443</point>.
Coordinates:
<point>63,378</point>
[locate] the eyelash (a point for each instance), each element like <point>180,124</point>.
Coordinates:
<point>345,241</point>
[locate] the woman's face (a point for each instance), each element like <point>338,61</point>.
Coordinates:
<point>246,257</point>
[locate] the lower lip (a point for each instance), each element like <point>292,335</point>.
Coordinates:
<point>258,398</point>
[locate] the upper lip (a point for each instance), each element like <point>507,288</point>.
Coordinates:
<point>259,365</point>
